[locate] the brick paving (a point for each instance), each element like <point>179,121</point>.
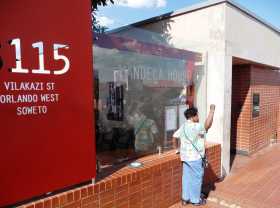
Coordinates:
<point>208,205</point>
<point>254,182</point>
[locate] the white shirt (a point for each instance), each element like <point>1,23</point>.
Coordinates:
<point>191,133</point>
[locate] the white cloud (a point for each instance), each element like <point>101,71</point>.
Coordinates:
<point>141,3</point>
<point>105,21</point>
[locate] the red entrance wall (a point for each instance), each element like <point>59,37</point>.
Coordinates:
<point>158,184</point>
<point>251,134</point>
<point>51,147</point>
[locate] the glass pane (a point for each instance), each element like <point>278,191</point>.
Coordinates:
<point>142,87</point>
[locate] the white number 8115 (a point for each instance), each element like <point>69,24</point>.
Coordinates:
<point>41,69</point>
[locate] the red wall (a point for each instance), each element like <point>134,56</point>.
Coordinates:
<point>39,151</point>
<point>266,82</point>
<point>241,109</point>
<point>251,134</point>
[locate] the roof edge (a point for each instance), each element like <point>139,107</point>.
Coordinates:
<point>196,7</point>
<point>253,15</point>
<point>179,12</point>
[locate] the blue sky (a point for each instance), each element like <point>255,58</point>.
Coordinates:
<point>125,12</point>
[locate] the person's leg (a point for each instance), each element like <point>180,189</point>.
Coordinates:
<point>186,182</point>
<point>196,177</point>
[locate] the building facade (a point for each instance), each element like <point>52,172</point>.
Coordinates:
<point>229,37</point>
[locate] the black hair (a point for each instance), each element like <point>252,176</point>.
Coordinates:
<point>191,112</point>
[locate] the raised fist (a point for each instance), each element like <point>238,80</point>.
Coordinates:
<point>212,107</point>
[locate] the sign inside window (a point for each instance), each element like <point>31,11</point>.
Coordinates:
<point>256,105</point>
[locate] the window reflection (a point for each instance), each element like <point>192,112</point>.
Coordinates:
<point>140,89</point>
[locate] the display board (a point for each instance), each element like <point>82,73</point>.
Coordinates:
<point>46,97</point>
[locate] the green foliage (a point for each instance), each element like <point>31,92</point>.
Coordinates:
<point>94,6</point>
<point>96,3</point>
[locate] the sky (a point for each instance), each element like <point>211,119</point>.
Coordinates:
<point>124,12</point>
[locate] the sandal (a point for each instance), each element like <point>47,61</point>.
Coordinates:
<point>200,203</point>
<point>185,202</point>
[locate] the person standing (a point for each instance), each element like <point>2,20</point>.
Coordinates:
<point>191,136</point>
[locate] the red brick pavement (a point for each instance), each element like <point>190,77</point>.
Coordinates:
<point>254,182</point>
<point>208,205</point>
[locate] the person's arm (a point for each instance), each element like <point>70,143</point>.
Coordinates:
<point>176,138</point>
<point>209,120</point>
<point>175,143</point>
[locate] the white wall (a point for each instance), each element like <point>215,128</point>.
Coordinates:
<point>249,39</point>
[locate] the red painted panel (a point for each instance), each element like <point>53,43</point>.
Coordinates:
<point>140,47</point>
<point>52,147</point>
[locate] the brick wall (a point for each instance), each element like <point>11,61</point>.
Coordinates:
<point>241,108</point>
<point>157,184</point>
<point>278,125</point>
<point>251,134</point>
<point>264,127</point>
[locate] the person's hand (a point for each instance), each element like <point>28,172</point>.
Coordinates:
<point>212,107</point>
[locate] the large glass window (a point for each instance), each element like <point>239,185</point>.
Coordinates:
<point>142,87</point>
